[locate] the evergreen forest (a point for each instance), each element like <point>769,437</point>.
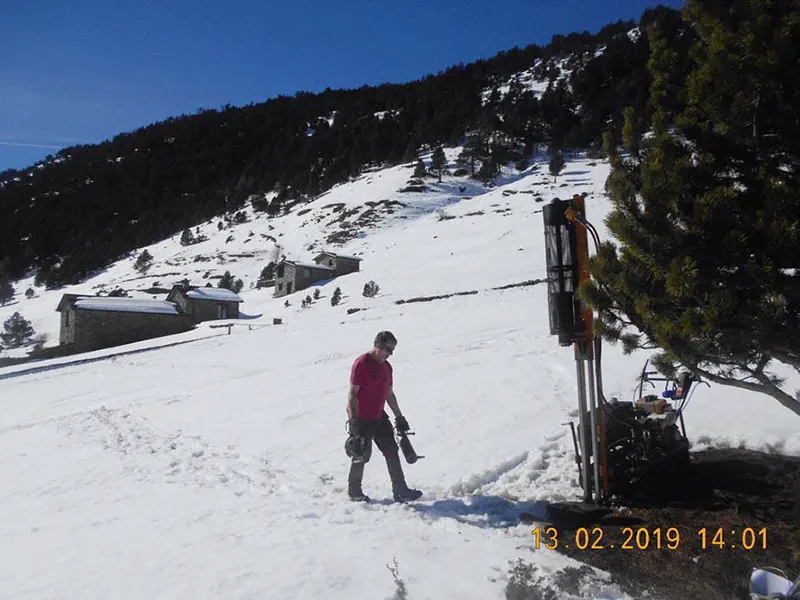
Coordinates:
<point>89,205</point>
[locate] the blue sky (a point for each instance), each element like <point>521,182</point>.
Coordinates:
<point>82,71</point>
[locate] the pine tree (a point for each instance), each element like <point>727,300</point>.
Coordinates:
<point>274,207</point>
<point>18,331</point>
<point>438,162</point>
<point>6,291</point>
<point>336,297</point>
<point>268,272</point>
<point>706,216</point>
<point>411,153</point>
<point>557,164</point>
<point>419,169</point>
<point>475,152</point>
<point>371,289</point>
<point>229,282</point>
<point>187,238</point>
<point>143,262</point>
<point>489,168</point>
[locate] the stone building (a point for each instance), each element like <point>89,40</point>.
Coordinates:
<point>292,275</point>
<point>93,322</point>
<point>340,263</point>
<point>205,303</point>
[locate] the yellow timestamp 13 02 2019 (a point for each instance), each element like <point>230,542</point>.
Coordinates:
<point>642,538</point>
<point>583,538</point>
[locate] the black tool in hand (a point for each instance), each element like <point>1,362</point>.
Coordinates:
<point>407,448</point>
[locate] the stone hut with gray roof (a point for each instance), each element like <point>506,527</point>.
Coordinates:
<point>94,322</point>
<point>340,263</point>
<point>205,303</point>
<point>292,275</point>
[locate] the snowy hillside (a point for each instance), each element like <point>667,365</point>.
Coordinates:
<point>215,468</point>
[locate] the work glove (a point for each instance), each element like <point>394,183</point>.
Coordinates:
<point>355,427</point>
<point>401,425</point>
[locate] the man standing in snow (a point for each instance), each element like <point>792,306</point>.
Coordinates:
<point>370,390</point>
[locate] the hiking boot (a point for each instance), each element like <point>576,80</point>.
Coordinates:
<point>359,497</point>
<point>407,495</point>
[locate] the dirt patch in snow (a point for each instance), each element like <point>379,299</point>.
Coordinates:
<point>734,510</point>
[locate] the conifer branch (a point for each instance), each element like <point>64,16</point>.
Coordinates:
<point>765,386</point>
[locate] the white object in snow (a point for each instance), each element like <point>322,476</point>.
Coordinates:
<point>764,582</point>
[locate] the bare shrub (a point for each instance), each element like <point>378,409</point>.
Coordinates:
<point>400,592</point>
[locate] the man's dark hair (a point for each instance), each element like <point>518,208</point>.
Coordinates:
<point>384,338</point>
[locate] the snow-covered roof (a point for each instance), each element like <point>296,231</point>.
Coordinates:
<point>217,294</point>
<point>138,305</point>
<point>326,253</point>
<point>70,298</point>
<point>297,263</point>
<point>310,265</point>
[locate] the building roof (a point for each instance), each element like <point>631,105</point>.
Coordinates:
<point>215,294</point>
<point>210,294</point>
<point>326,253</point>
<point>136,305</point>
<point>70,299</point>
<point>297,263</point>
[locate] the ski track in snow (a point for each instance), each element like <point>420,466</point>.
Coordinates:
<point>540,474</point>
<point>158,456</point>
<point>493,498</point>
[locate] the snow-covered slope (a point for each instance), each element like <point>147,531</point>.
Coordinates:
<point>215,468</point>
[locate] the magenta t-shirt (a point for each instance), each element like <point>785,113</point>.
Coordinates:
<point>375,379</point>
